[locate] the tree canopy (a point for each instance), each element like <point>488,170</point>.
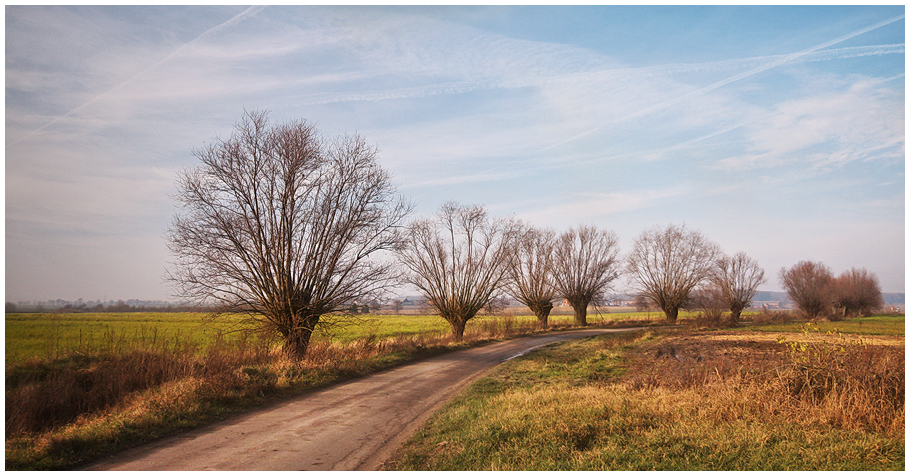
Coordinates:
<point>283,225</point>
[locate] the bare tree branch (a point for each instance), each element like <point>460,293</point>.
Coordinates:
<point>457,260</point>
<point>808,284</point>
<point>279,224</point>
<point>667,264</point>
<point>737,279</point>
<point>585,265</point>
<point>857,293</point>
<point>530,271</point>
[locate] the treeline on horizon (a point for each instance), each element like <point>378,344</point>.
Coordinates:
<point>132,305</point>
<point>135,305</point>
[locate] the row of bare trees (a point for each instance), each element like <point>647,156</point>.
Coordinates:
<point>286,226</point>
<point>461,258</point>
<point>816,292</point>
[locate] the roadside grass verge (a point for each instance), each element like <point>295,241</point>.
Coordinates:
<point>729,400</point>
<point>108,391</point>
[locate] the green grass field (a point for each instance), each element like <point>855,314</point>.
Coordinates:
<point>48,336</point>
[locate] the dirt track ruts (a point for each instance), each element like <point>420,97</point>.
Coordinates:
<point>355,425</point>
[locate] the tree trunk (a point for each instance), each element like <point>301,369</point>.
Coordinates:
<point>581,311</point>
<point>672,313</point>
<point>458,326</point>
<point>297,339</point>
<point>297,342</point>
<point>734,315</point>
<point>542,311</point>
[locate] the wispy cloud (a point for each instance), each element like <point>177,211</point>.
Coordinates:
<point>103,105</point>
<point>772,63</point>
<point>249,12</point>
<point>851,125</point>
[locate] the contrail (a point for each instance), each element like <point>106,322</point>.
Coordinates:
<point>233,21</point>
<point>777,62</point>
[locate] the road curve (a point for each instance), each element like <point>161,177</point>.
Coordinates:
<point>355,425</point>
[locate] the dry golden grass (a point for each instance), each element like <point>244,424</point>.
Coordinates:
<point>729,400</point>
<point>847,382</point>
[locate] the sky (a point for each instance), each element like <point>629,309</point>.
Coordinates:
<point>776,131</point>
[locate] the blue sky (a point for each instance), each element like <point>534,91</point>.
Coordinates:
<point>777,131</point>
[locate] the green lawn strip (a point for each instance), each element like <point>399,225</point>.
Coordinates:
<point>884,324</point>
<point>555,409</point>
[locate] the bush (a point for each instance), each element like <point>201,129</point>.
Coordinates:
<point>766,316</point>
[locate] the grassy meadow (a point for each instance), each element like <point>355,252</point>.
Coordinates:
<point>50,336</point>
<point>81,386</point>
<point>682,401</point>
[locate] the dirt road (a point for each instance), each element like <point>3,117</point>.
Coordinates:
<point>356,425</point>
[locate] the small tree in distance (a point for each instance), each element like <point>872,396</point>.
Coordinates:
<point>585,265</point>
<point>530,271</point>
<point>736,279</point>
<point>280,224</point>
<point>667,264</point>
<point>857,293</point>
<point>458,261</point>
<point>809,286</point>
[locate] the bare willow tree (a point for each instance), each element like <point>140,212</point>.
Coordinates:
<point>667,264</point>
<point>857,292</point>
<point>530,271</point>
<point>809,286</point>
<point>283,226</point>
<point>457,260</point>
<point>736,280</point>
<point>585,264</point>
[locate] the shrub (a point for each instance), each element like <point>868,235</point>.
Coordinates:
<point>766,316</point>
<point>809,284</point>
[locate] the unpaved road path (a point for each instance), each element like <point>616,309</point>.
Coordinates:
<point>355,425</point>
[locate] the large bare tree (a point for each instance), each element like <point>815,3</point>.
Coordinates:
<point>585,264</point>
<point>530,277</point>
<point>283,226</point>
<point>736,280</point>
<point>667,264</point>
<point>458,260</point>
<point>809,285</point>
<point>857,292</point>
